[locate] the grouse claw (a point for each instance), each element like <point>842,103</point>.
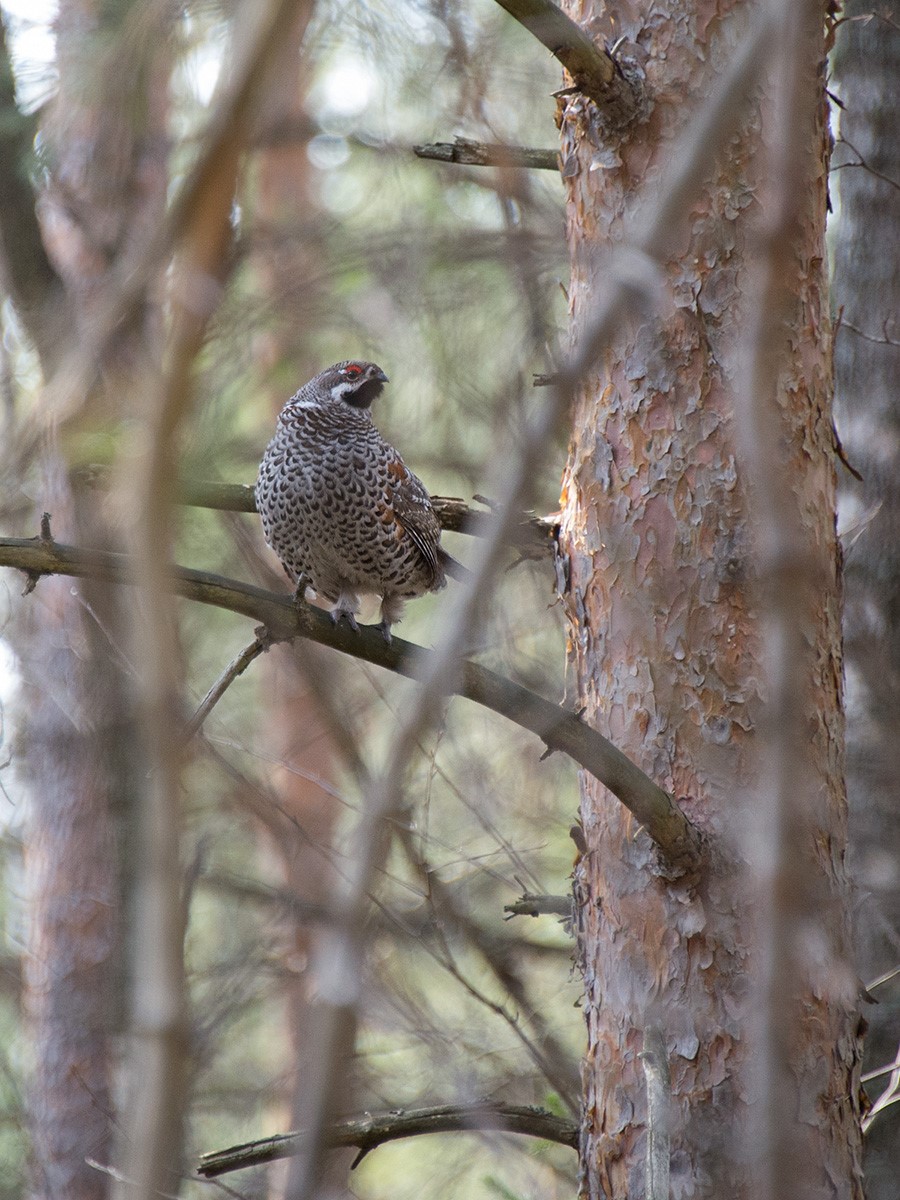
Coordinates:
<point>344,615</point>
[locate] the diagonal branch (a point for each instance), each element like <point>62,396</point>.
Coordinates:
<point>592,68</point>
<point>373,1130</point>
<point>678,840</point>
<point>235,668</point>
<point>616,86</point>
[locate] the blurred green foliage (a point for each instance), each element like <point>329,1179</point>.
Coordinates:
<point>449,277</point>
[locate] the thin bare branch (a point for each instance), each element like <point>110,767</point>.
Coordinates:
<point>373,1130</point>
<point>880,980</point>
<point>884,340</point>
<point>503,959</point>
<point>236,667</point>
<point>489,154</point>
<point>679,841</point>
<point>890,1095</point>
<point>864,164</point>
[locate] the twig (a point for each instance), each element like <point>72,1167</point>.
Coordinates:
<point>890,1095</point>
<point>539,906</point>
<point>503,960</point>
<point>885,977</point>
<point>884,340</point>
<point>880,1071</point>
<point>656,1075</point>
<point>678,840</point>
<point>121,1178</point>
<point>235,668</point>
<point>864,19</point>
<point>866,166</point>
<point>489,154</point>
<point>373,1130</point>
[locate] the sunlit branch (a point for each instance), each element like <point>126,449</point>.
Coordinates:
<point>373,1130</point>
<point>890,1095</point>
<point>678,840</point>
<point>488,154</point>
<point>201,233</point>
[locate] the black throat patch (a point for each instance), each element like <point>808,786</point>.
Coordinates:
<point>365,394</point>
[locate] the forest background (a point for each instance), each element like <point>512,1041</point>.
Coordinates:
<point>341,242</point>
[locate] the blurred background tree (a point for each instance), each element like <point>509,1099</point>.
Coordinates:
<point>867,352</point>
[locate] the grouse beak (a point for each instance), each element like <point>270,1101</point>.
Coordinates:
<point>380,375</point>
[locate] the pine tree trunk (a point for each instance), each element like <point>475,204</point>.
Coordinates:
<point>80,735</point>
<point>667,638</point>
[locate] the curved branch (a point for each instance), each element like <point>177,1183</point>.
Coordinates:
<point>678,840</point>
<point>373,1130</point>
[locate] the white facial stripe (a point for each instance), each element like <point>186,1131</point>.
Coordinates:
<point>341,389</point>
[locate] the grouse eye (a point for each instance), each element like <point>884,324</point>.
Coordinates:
<point>353,372</point>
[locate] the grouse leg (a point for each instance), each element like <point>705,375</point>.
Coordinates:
<point>345,608</point>
<point>300,587</point>
<point>391,612</point>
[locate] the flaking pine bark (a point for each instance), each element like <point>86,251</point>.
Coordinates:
<point>668,634</point>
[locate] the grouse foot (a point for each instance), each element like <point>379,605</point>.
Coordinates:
<point>344,614</point>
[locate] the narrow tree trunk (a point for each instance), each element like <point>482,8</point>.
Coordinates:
<point>667,637</point>
<point>79,733</point>
<point>867,366</point>
<point>70,857</point>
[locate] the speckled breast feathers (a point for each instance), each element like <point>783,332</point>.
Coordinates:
<point>339,506</point>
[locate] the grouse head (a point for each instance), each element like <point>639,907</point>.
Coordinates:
<point>356,383</point>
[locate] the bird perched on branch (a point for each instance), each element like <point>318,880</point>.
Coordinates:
<point>339,506</point>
